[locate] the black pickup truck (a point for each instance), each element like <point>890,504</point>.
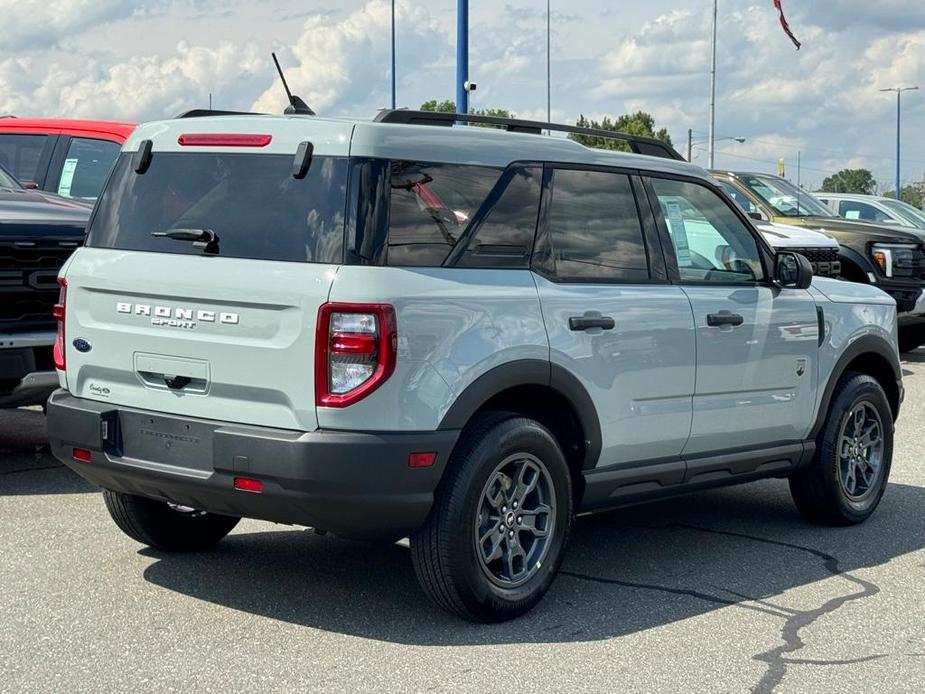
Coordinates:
<point>38,231</point>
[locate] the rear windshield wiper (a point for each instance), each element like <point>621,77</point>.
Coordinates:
<point>202,238</point>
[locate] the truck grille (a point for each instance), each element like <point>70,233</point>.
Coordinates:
<point>824,260</point>
<point>28,282</point>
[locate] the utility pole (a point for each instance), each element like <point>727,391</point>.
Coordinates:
<point>690,144</point>
<point>713,90</point>
<point>393,55</point>
<point>899,99</point>
<point>462,56</point>
<point>548,66</point>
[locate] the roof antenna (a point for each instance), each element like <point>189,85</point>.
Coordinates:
<point>296,105</point>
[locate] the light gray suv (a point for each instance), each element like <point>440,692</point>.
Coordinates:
<point>457,334</point>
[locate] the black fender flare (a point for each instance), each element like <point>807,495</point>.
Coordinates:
<point>846,254</point>
<point>530,372</point>
<point>867,344</point>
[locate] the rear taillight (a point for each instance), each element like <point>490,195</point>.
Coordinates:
<point>58,312</point>
<point>355,349</point>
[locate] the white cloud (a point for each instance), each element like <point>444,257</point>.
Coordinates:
<point>37,24</point>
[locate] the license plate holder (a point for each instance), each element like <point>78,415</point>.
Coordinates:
<point>167,440</point>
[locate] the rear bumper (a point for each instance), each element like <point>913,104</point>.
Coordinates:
<point>354,484</point>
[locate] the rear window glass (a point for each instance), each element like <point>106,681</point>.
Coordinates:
<point>250,201</point>
<point>430,207</point>
<point>20,155</point>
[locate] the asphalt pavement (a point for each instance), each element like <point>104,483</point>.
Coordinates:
<point>726,591</point>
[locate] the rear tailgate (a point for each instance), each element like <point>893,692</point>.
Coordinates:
<point>216,338</point>
<point>198,291</point>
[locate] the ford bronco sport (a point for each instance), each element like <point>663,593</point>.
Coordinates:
<point>456,334</point>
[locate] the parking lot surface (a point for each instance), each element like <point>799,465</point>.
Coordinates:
<point>725,591</point>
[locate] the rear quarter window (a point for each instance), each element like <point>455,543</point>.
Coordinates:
<point>251,201</point>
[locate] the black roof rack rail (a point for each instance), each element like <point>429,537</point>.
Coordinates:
<point>205,112</point>
<point>640,145</point>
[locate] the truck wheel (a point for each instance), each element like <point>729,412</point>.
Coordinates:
<point>911,337</point>
<point>496,536</point>
<point>848,475</point>
<point>165,526</point>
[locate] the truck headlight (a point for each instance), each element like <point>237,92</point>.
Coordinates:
<point>894,259</point>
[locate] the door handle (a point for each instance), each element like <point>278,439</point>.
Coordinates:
<point>715,320</point>
<point>577,323</point>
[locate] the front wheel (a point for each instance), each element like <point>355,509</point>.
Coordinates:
<point>496,536</point>
<point>846,479</point>
<point>164,526</point>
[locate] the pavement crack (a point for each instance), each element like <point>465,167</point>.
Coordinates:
<point>673,591</point>
<point>776,658</point>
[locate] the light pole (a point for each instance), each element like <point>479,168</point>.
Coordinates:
<point>713,88</point>
<point>462,56</point>
<point>899,98</point>
<point>393,55</point>
<point>691,142</point>
<point>548,66</point>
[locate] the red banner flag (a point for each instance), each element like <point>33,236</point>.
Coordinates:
<point>783,23</point>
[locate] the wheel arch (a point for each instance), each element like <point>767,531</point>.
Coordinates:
<point>543,391</point>
<point>870,355</point>
<point>850,258</point>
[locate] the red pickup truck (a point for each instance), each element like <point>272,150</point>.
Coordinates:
<point>69,157</point>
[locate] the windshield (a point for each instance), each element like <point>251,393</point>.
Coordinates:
<point>786,199</point>
<point>7,180</point>
<point>914,216</point>
<point>251,202</point>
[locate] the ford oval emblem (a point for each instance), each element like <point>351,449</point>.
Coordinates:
<point>82,345</point>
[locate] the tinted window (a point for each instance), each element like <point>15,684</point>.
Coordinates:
<point>86,166</point>
<point>594,228</point>
<point>505,236</point>
<point>851,209</point>
<point>430,207</point>
<point>712,244</point>
<point>7,180</point>
<point>20,155</point>
<point>739,197</point>
<point>251,201</point>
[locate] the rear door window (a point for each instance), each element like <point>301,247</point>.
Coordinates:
<point>21,155</point>
<point>594,231</point>
<point>430,207</point>
<point>86,165</point>
<point>252,203</point>
<point>504,238</point>
<point>852,209</point>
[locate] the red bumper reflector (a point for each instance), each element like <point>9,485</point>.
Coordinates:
<point>223,140</point>
<point>246,484</point>
<point>82,454</point>
<point>422,459</point>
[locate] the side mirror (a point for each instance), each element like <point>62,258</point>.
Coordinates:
<point>792,270</point>
<point>30,185</point>
<point>758,216</point>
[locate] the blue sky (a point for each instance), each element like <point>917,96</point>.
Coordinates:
<point>153,58</point>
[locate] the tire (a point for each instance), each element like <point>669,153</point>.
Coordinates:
<point>822,491</point>
<point>911,337</point>
<point>493,451</point>
<point>158,525</point>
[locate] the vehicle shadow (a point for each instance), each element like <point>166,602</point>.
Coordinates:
<point>26,463</point>
<point>625,572</point>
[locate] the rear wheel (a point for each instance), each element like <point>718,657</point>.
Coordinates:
<point>848,475</point>
<point>164,526</point>
<point>911,337</point>
<point>496,536</point>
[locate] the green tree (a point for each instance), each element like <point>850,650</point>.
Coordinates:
<point>450,107</point>
<point>910,194</point>
<point>850,181</point>
<point>639,123</point>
